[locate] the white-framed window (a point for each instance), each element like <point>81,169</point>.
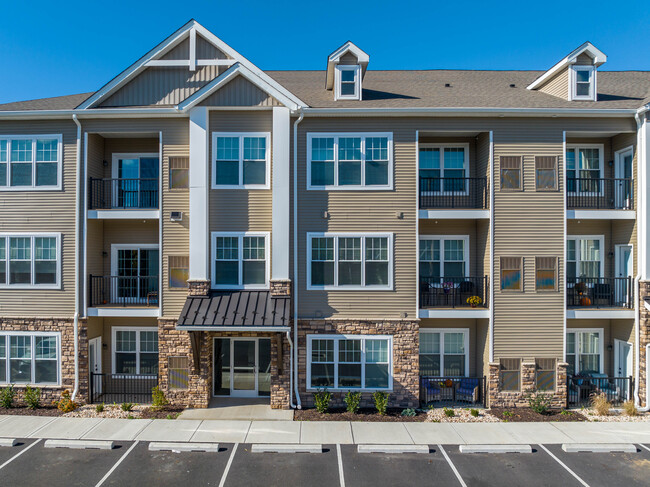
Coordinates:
<point>135,350</point>
<point>241,160</point>
<point>240,260</point>
<point>342,362</point>
<point>30,357</point>
<point>444,167</point>
<point>444,256</point>
<point>444,352</point>
<point>583,82</point>
<point>348,82</point>
<point>31,162</point>
<point>584,350</point>
<point>349,261</point>
<point>349,161</point>
<point>30,260</point>
<point>585,168</point>
<point>585,256</point>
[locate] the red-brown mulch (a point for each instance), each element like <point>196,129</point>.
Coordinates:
<point>24,411</point>
<point>392,415</point>
<point>164,413</point>
<point>528,415</point>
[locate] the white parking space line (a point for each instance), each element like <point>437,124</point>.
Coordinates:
<point>453,467</point>
<point>575,475</point>
<point>225,472</point>
<point>18,454</point>
<point>117,464</point>
<point>643,446</point>
<point>340,462</point>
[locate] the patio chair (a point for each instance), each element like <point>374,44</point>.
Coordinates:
<point>602,293</point>
<point>465,290</point>
<point>601,383</point>
<point>432,391</point>
<point>467,390</point>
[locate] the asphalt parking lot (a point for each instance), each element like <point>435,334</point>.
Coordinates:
<point>29,463</point>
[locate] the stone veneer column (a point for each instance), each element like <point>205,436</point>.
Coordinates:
<point>644,339</point>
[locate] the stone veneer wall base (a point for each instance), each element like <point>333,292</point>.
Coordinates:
<point>514,399</point>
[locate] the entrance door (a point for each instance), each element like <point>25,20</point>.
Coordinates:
<point>95,362</point>
<point>137,181</point>
<point>623,360</point>
<point>624,268</point>
<point>623,174</point>
<point>242,367</point>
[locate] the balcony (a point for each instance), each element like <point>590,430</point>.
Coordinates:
<point>593,293</point>
<point>452,293</point>
<point>128,198</point>
<point>599,194</point>
<point>454,197</point>
<point>122,292</point>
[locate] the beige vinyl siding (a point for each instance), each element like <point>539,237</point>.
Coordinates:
<point>96,156</point>
<point>95,261</point>
<point>584,59</point>
<point>240,92</point>
<point>43,211</point>
<point>558,85</point>
<point>612,329</point>
<point>181,51</point>
<point>482,156</point>
<point>207,50</point>
<point>121,232</point>
<point>348,58</point>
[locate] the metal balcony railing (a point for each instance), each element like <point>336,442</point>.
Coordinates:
<point>123,194</point>
<point>600,292</point>
<point>468,193</point>
<point>600,194</point>
<point>123,291</point>
<point>452,292</point>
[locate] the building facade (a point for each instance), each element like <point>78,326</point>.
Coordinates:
<point>217,230</point>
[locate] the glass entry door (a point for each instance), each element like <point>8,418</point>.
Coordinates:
<point>137,182</point>
<point>242,367</point>
<point>135,275</point>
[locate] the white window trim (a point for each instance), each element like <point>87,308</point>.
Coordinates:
<point>131,155</point>
<point>362,236</point>
<point>573,82</point>
<point>601,162</point>
<point>442,332</point>
<point>114,351</point>
<point>240,260</point>
<point>363,339</point>
<point>442,147</point>
<point>601,350</point>
<point>33,334</point>
<point>357,82</point>
<point>442,238</point>
<point>116,247</point>
<point>33,236</point>
<point>34,138</point>
<point>363,136</point>
<point>577,238</point>
<point>241,185</point>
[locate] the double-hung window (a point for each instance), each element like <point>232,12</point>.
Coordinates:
<point>442,257</point>
<point>135,350</point>
<point>584,257</point>
<point>585,169</point>
<point>30,357</point>
<point>444,168</point>
<point>30,162</point>
<point>349,362</point>
<point>240,160</point>
<point>30,261</point>
<point>583,86</point>
<point>348,82</point>
<point>444,353</point>
<point>350,161</point>
<point>584,351</point>
<point>240,260</point>
<point>349,261</point>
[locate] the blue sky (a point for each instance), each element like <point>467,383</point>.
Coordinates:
<point>60,48</point>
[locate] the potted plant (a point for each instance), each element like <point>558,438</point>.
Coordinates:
<point>474,301</point>
<point>581,288</point>
<point>446,286</point>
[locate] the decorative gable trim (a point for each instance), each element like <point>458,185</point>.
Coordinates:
<point>337,56</point>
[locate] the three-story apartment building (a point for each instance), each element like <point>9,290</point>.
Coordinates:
<point>218,230</point>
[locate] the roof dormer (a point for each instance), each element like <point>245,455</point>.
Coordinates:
<point>346,68</point>
<point>574,77</point>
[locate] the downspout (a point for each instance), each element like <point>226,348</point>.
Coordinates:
<point>291,403</point>
<point>295,258</point>
<point>77,220</point>
<point>491,279</point>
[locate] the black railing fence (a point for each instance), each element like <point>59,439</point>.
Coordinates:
<point>452,391</point>
<point>122,290</point>
<point>125,194</point>
<point>581,389</point>
<point>600,292</point>
<point>469,193</point>
<point>600,193</point>
<point>120,388</point>
<point>452,292</point>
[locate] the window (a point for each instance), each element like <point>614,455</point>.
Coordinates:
<point>546,273</point>
<point>349,261</point>
<point>444,168</point>
<point>511,177</point>
<point>178,370</point>
<point>511,271</point>
<point>30,162</point>
<point>29,357</point>
<point>584,82</point>
<point>179,271</point>
<point>584,256</point>
<point>28,261</point>
<point>545,173</point>
<point>444,353</point>
<point>240,260</point>
<point>442,257</point>
<point>240,160</point>
<point>348,82</point>
<point>135,350</point>
<point>179,172</point>
<point>545,374</point>
<point>584,168</point>
<point>509,374</point>
<point>349,362</point>
<point>584,351</point>
<point>350,161</point>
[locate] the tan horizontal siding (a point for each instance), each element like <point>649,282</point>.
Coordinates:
<point>240,93</point>
<point>118,232</point>
<point>348,58</point>
<point>558,85</point>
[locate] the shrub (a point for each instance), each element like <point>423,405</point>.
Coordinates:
<point>629,409</point>
<point>7,396</point>
<point>66,404</point>
<point>33,397</point>
<point>539,402</point>
<point>474,412</point>
<point>127,406</point>
<point>600,404</point>
<point>158,399</point>
<point>352,401</point>
<point>322,399</point>
<point>408,412</point>
<point>381,402</point>
<point>100,408</point>
<point>508,414</point>
<point>449,412</point>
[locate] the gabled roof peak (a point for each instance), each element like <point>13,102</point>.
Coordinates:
<point>335,58</point>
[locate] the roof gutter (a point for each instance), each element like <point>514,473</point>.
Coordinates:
<point>93,113</point>
<point>473,111</point>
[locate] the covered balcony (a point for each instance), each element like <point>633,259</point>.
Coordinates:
<point>123,194</point>
<point>453,292</point>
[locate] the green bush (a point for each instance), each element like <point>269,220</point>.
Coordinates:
<point>409,412</point>
<point>381,402</point>
<point>540,402</point>
<point>322,399</point>
<point>352,401</point>
<point>474,412</point>
<point>158,399</point>
<point>100,408</point>
<point>33,397</point>
<point>7,396</point>
<point>127,406</point>
<point>66,404</point>
<point>449,412</point>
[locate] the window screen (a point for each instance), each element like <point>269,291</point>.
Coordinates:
<point>545,374</point>
<point>179,271</point>
<point>179,372</point>
<point>509,375</point>
<point>511,172</point>
<point>179,172</point>
<point>511,273</point>
<point>546,273</point>
<point>545,173</point>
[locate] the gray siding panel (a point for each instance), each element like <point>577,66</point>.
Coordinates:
<point>240,92</point>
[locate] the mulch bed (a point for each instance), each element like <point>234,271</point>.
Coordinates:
<point>164,413</point>
<point>23,411</point>
<point>392,415</point>
<point>528,415</point>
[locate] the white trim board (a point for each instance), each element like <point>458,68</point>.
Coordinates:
<point>125,312</point>
<point>600,314</point>
<point>601,214</point>
<point>454,313</point>
<point>454,214</point>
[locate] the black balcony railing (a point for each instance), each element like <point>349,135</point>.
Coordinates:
<point>600,292</point>
<point>123,194</point>
<point>581,389</point>
<point>452,391</point>
<point>123,291</point>
<point>452,292</point>
<point>471,193</point>
<point>600,194</point>
<point>121,388</point>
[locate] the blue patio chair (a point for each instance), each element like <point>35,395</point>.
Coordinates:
<point>432,390</point>
<point>468,390</point>
<point>601,382</point>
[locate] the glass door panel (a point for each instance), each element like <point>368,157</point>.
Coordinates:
<point>222,367</point>
<point>243,380</point>
<point>128,172</point>
<point>264,368</point>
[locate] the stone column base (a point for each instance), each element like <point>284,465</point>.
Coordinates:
<point>513,399</point>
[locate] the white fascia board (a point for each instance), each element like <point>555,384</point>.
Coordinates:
<point>123,214</point>
<point>454,214</point>
<point>92,113</point>
<point>125,312</point>
<point>455,313</point>
<point>601,214</point>
<point>600,314</point>
<point>471,111</point>
<point>234,328</point>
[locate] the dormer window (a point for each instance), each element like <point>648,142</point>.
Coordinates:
<point>583,85</point>
<point>348,82</point>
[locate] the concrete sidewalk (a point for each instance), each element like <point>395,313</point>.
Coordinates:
<point>321,431</point>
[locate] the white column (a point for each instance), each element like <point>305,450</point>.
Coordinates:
<point>199,193</point>
<point>281,187</point>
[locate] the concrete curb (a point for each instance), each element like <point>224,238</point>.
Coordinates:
<point>80,444</point>
<point>422,449</point>
<point>495,449</point>
<point>599,448</point>
<point>286,448</point>
<point>8,441</point>
<point>183,447</point>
